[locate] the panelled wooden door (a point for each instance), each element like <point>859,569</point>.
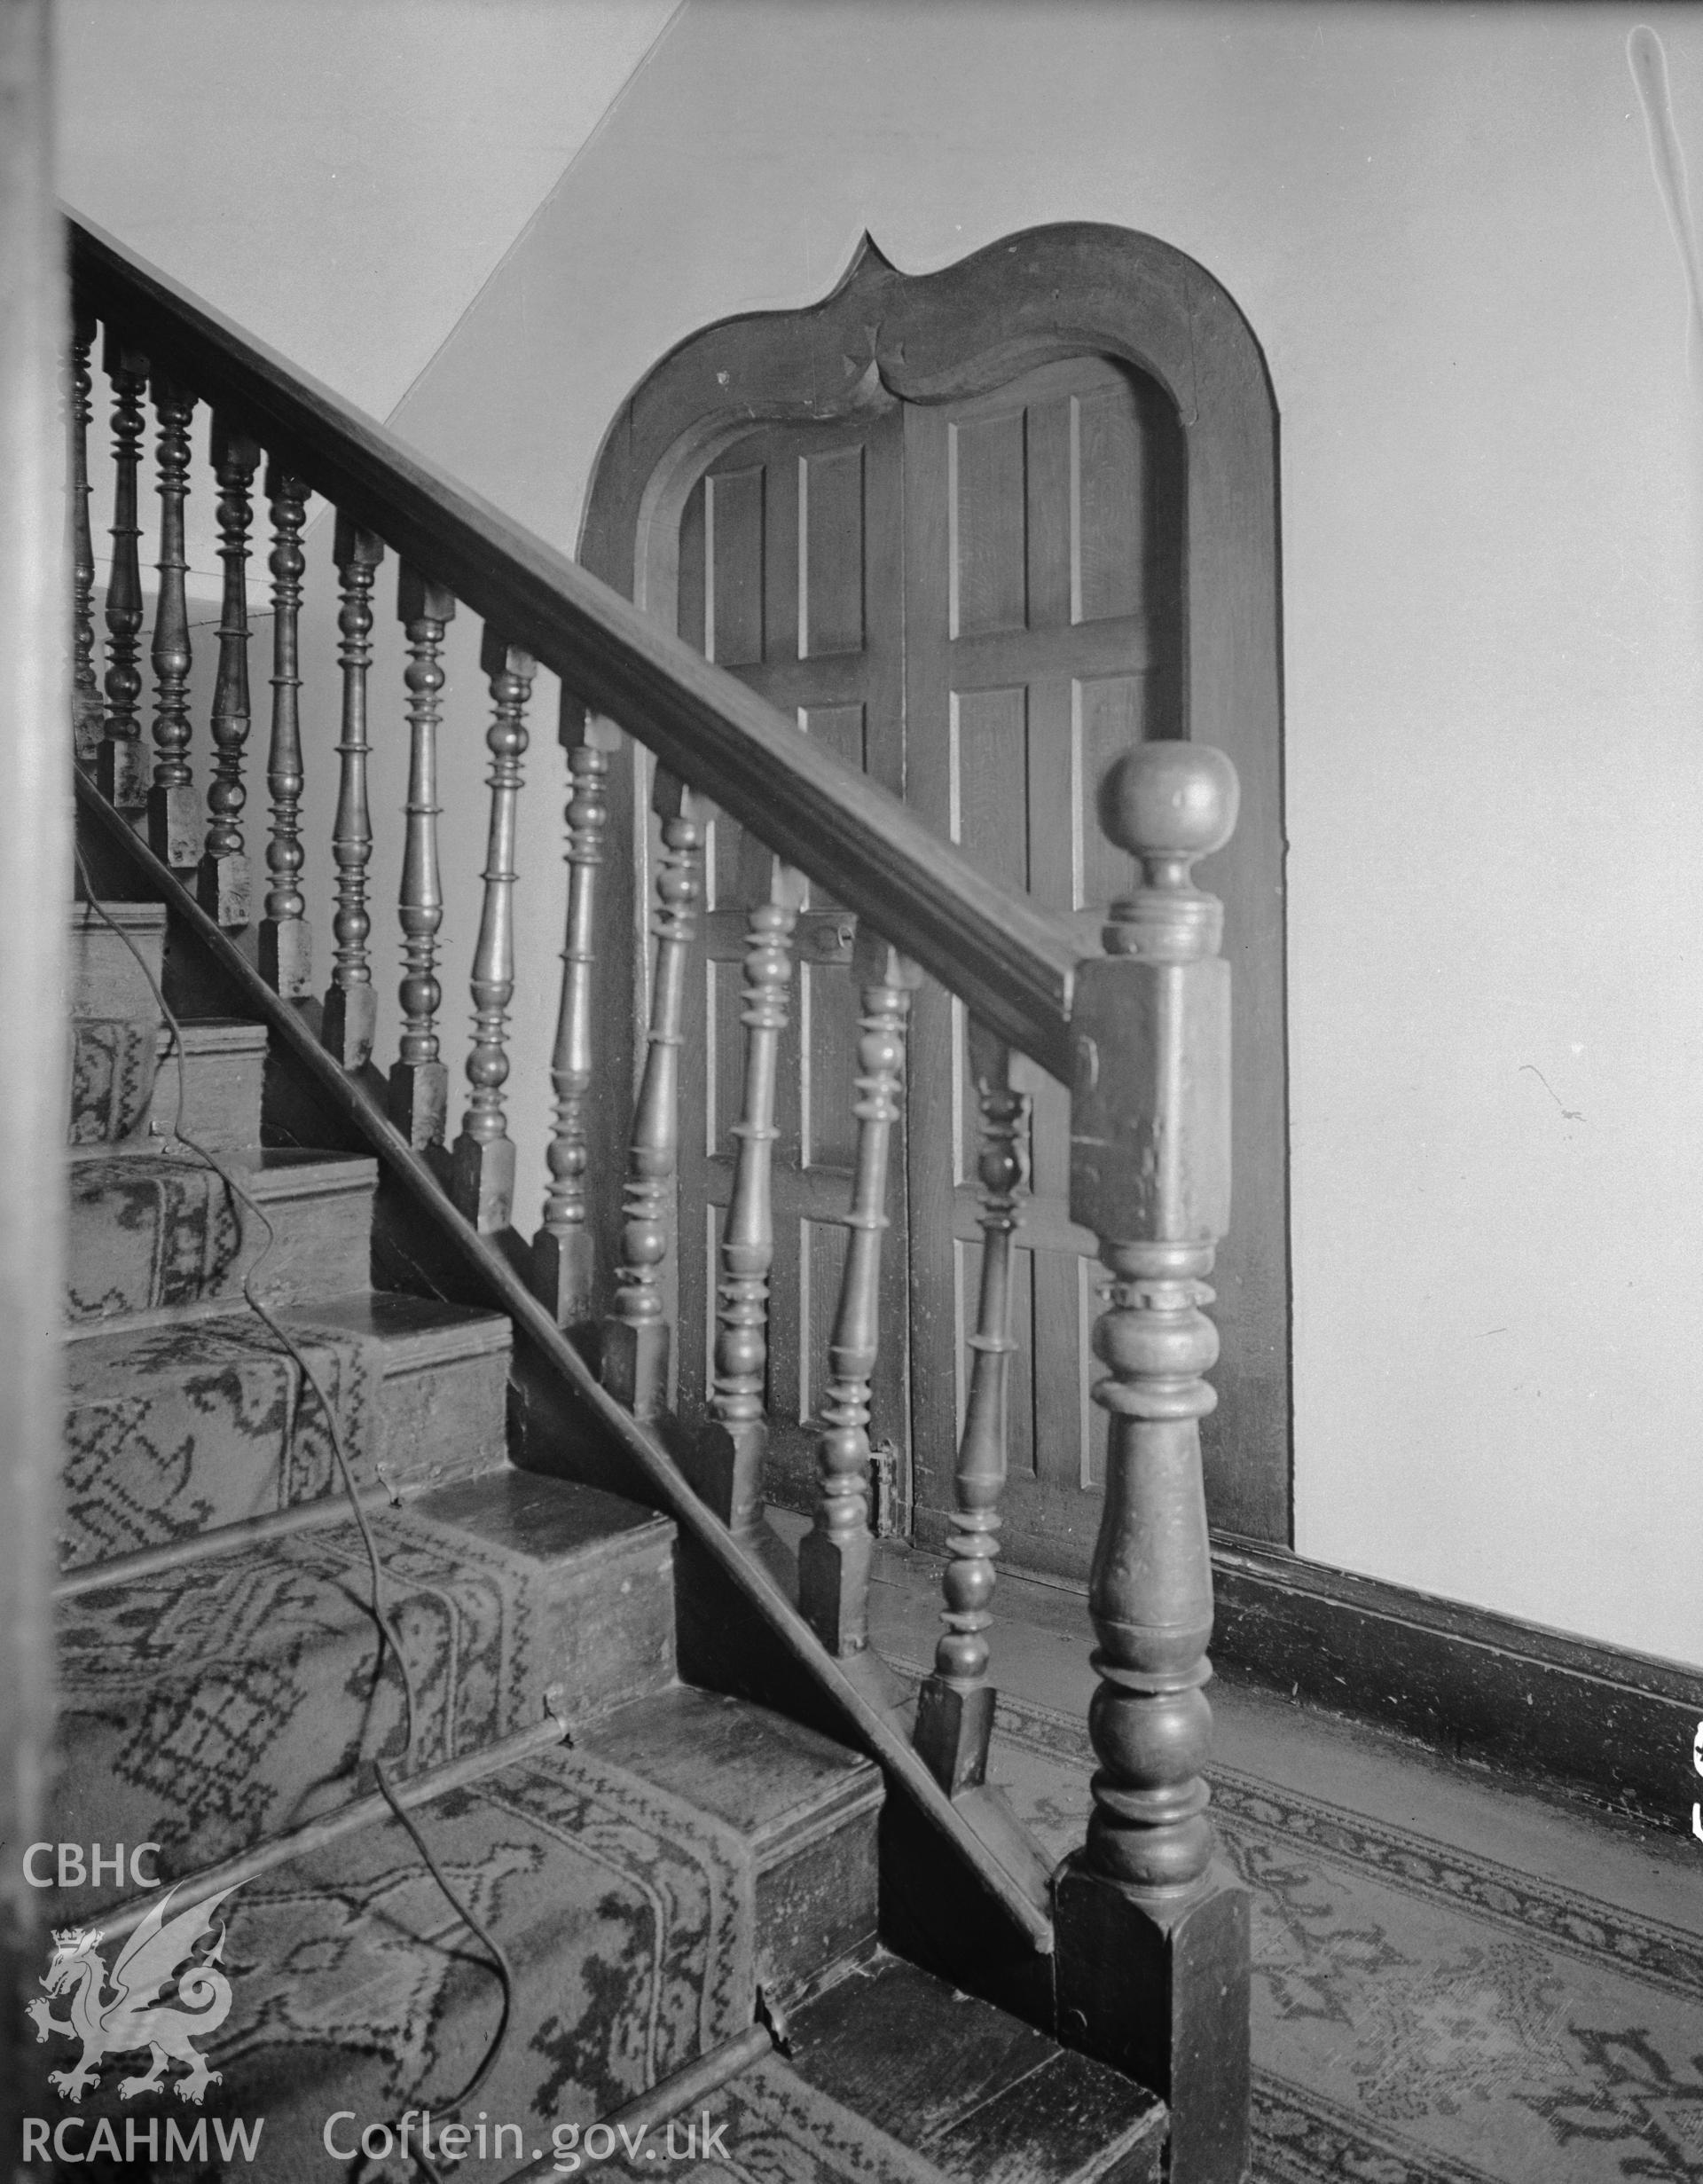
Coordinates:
<point>1043,554</point>
<point>978,601</point>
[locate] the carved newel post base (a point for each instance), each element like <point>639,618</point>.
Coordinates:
<point>1152,1933</point>
<point>1174,1980</point>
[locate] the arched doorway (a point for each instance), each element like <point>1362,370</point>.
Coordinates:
<point>979,530</point>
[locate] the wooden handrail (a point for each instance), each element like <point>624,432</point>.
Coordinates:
<point>1012,963</point>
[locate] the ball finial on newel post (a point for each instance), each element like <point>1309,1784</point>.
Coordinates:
<point>1168,804</point>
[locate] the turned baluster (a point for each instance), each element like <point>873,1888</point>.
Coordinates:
<point>482,1173</point>
<point>833,1556</point>
<point>86,713</point>
<point>173,812</point>
<point>122,767</point>
<point>731,1460</point>
<point>636,1334</point>
<point>351,1015</point>
<point>225,884</point>
<point>420,1081</point>
<point>1152,1935</point>
<point>954,1716</point>
<point>286,939</point>
<point>561,1250</point>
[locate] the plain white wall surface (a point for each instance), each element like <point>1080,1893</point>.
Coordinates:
<point>340,176</point>
<point>1443,226</point>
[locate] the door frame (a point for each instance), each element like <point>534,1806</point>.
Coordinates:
<point>1067,289</point>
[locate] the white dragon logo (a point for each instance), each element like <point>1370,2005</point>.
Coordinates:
<point>157,1955</point>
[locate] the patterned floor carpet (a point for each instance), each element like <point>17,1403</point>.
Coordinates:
<point>1424,2015</point>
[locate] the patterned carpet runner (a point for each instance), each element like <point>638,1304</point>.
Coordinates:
<point>147,1230</point>
<point>208,1705</point>
<point>346,1986</point>
<point>112,1064</point>
<point>177,1428</point>
<point>1423,2014</point>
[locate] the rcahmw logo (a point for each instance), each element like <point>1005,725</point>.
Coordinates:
<point>74,2139</point>
<point>122,2011</point>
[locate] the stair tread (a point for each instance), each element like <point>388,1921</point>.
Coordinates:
<point>217,1702</point>
<point>131,917</point>
<point>776,1780</point>
<point>411,1329</point>
<point>266,1172</point>
<point>984,2097</point>
<point>574,1523</point>
<point>218,1035</point>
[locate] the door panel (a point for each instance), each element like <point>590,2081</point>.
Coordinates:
<point>790,576</point>
<point>1043,534</point>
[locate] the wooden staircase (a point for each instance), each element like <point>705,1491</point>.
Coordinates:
<point>225,1700</point>
<point>492,1757</point>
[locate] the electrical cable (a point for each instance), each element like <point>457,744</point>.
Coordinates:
<point>381,1598</point>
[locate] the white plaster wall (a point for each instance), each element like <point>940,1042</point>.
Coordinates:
<point>340,176</point>
<point>1443,225</point>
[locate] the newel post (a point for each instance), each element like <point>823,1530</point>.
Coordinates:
<point>1152,1928</point>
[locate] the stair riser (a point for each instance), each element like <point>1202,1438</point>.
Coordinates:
<point>165,1233</point>
<point>222,1077</point>
<point>202,1715</point>
<point>128,1095</point>
<point>104,977</point>
<point>444,1423</point>
<point>817,1907</point>
<point>810,1810</point>
<point>209,1447</point>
